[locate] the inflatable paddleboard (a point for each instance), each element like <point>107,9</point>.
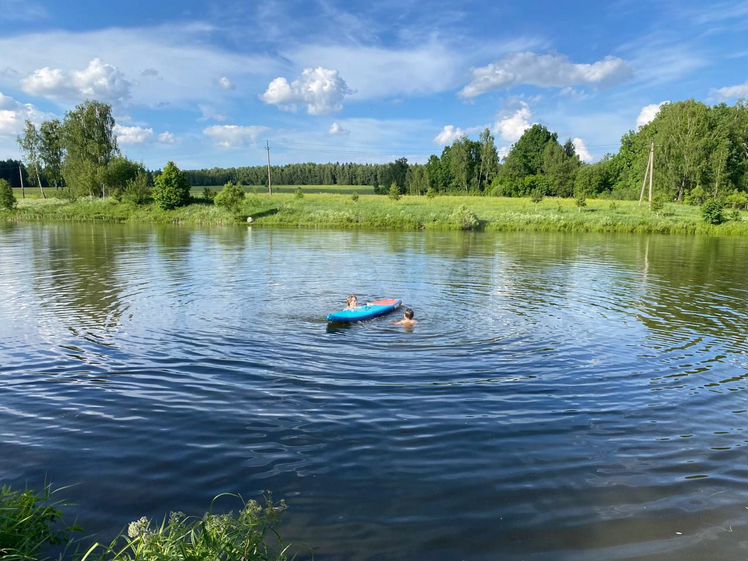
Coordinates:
<point>371,310</point>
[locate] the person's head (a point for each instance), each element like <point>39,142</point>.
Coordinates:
<point>408,313</point>
<point>352,301</point>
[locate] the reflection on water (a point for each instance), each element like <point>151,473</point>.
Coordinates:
<point>562,396</point>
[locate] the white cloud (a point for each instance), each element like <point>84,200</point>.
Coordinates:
<point>321,89</point>
<point>731,92</point>
<point>648,113</point>
<point>210,114</point>
<point>14,114</point>
<point>545,71</point>
<point>167,137</point>
<point>511,127</point>
<point>183,51</point>
<point>97,81</point>
<point>132,135</point>
<point>336,129</point>
<point>581,149</point>
<point>448,135</point>
<point>234,136</point>
<point>225,83</point>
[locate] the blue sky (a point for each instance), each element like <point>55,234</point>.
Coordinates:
<point>207,83</point>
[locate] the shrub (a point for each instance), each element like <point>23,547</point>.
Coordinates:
<point>230,197</point>
<point>581,200</point>
<point>696,196</point>
<point>137,189</point>
<point>658,203</point>
<point>712,211</point>
<point>394,192</point>
<point>299,193</point>
<point>737,199</point>
<point>464,218</point>
<point>354,197</point>
<point>7,198</point>
<point>431,192</point>
<point>172,189</point>
<point>537,195</point>
<point>735,215</point>
<point>613,205</point>
<point>208,195</point>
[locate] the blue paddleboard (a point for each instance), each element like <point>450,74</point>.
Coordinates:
<point>371,310</point>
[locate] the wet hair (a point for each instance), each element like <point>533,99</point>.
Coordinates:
<point>408,313</point>
<point>351,299</point>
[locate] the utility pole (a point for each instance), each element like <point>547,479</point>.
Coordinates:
<point>267,147</point>
<point>23,190</point>
<point>648,173</point>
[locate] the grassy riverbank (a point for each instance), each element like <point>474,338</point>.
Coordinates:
<point>382,213</point>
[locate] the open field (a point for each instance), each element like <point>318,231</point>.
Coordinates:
<point>260,189</point>
<point>409,213</point>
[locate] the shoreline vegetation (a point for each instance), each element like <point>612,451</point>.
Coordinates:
<point>33,527</point>
<point>378,212</point>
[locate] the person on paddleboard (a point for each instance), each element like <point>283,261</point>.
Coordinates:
<point>351,302</point>
<point>408,322</point>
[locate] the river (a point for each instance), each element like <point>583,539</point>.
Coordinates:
<point>562,396</point>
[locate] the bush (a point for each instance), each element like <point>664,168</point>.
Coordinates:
<point>613,205</point>
<point>695,196</point>
<point>172,189</point>
<point>735,215</point>
<point>230,197</point>
<point>394,192</point>
<point>431,192</point>
<point>537,195</point>
<point>737,199</point>
<point>137,189</point>
<point>208,195</point>
<point>464,218</point>
<point>658,203</point>
<point>581,200</point>
<point>712,211</point>
<point>299,193</point>
<point>7,198</point>
<point>354,197</point>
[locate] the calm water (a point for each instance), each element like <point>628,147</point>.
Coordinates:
<point>563,397</point>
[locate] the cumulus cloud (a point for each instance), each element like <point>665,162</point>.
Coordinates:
<point>234,136</point>
<point>336,129</point>
<point>321,89</point>
<point>545,71</point>
<point>731,92</point>
<point>581,149</point>
<point>98,80</point>
<point>132,135</point>
<point>225,83</point>
<point>448,135</point>
<point>512,126</point>
<point>14,114</point>
<point>648,113</point>
<point>167,137</point>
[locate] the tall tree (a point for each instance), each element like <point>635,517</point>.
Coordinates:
<point>489,160</point>
<point>50,151</point>
<point>526,156</point>
<point>90,144</point>
<point>30,143</point>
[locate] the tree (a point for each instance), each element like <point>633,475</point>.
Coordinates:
<point>117,173</point>
<point>89,142</point>
<point>172,189</point>
<point>30,144</point>
<point>560,169</point>
<point>394,192</point>
<point>7,198</point>
<point>230,197</point>
<point>526,156</point>
<point>50,151</point>
<point>489,160</point>
<point>138,189</point>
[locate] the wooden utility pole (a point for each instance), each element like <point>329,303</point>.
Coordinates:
<point>39,181</point>
<point>23,190</point>
<point>648,173</point>
<point>270,188</point>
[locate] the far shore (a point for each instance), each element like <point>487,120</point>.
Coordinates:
<point>378,212</point>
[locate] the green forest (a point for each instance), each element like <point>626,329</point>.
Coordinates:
<point>700,154</point>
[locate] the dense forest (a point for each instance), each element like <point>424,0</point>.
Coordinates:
<point>700,152</point>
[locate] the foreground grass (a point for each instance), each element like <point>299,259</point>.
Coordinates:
<point>30,531</point>
<point>408,213</point>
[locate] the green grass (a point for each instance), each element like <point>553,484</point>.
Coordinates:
<point>29,531</point>
<point>262,189</point>
<point>409,213</point>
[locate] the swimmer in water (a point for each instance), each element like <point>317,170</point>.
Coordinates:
<point>407,320</point>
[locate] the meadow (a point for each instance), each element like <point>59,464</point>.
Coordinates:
<point>379,212</point>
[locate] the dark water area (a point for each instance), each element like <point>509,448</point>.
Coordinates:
<point>562,396</point>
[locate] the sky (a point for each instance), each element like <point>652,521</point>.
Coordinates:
<point>207,84</point>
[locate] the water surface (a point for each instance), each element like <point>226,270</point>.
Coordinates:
<point>562,396</point>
